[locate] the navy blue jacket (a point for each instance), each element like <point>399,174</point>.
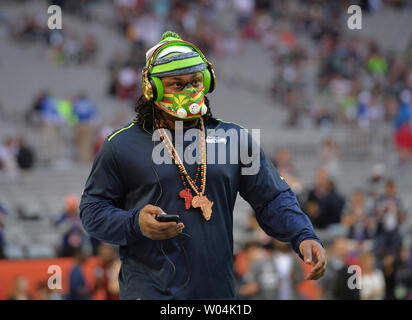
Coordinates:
<point>198,263</point>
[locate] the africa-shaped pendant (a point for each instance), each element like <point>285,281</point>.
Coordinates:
<point>186,194</point>
<point>205,205</point>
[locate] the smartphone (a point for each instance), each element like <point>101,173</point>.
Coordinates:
<point>167,217</point>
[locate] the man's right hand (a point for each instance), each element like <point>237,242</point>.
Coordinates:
<point>154,229</point>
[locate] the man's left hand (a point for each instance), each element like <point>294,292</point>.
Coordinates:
<point>313,254</point>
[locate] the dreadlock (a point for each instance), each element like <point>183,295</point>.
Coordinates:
<point>147,111</point>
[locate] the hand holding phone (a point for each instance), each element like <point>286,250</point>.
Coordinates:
<point>152,228</point>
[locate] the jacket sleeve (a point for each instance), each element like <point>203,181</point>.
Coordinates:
<point>100,206</point>
<point>275,205</point>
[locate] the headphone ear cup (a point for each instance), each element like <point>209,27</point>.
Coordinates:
<point>146,86</point>
<point>206,81</point>
<point>157,87</point>
<point>209,79</point>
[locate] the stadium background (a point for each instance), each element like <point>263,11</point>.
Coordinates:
<point>333,105</point>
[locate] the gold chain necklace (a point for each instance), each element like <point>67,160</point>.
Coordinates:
<point>200,200</point>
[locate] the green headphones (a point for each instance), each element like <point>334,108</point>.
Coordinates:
<point>152,86</point>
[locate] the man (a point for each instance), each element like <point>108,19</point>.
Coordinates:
<point>389,214</point>
<point>335,283</point>
<point>192,259</point>
<point>106,286</point>
<point>324,204</point>
<point>70,227</point>
<point>86,113</point>
<point>79,289</point>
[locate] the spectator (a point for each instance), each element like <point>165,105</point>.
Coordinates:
<point>403,275</point>
<point>8,158</point>
<point>106,273</point>
<point>65,111</point>
<point>127,84</point>
<point>79,289</point>
<point>316,194</point>
<point>51,122</point>
<point>20,289</point>
<point>324,204</point>
<point>25,155</point>
<point>376,183</point>
<point>377,63</point>
<point>403,141</point>
<point>286,169</point>
<point>88,49</point>
<point>330,157</point>
<point>389,213</point>
<point>45,293</point>
<point>373,281</point>
<point>364,106</point>
<point>272,274</point>
<point>70,226</point>
<point>244,10</point>
<point>256,284</point>
<point>388,269</point>
<point>336,281</point>
<point>404,114</point>
<point>86,112</point>
<point>283,162</point>
<point>288,270</point>
<point>403,129</point>
<point>33,115</point>
<point>331,208</point>
<point>359,224</point>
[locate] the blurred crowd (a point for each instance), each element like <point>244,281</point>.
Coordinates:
<point>15,156</point>
<point>358,83</point>
<point>103,284</point>
<point>74,243</point>
<point>216,27</point>
<point>53,114</point>
<point>344,80</point>
<point>60,123</point>
<point>366,229</point>
<point>63,47</point>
